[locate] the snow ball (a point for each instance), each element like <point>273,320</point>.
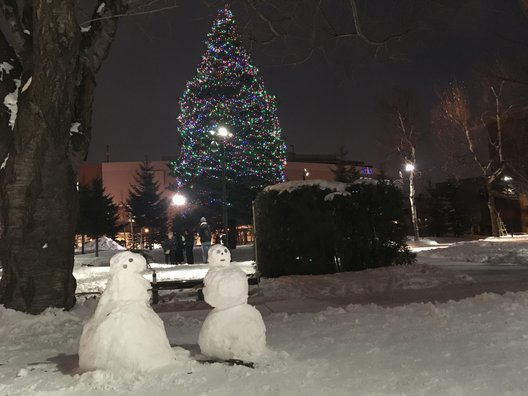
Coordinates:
<point>235,333</point>
<point>130,338</point>
<point>45,246</point>
<point>125,334</point>
<point>127,262</point>
<point>225,287</point>
<point>100,8</point>
<point>22,372</point>
<point>219,256</point>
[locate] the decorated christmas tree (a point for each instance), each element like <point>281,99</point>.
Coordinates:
<point>227,95</point>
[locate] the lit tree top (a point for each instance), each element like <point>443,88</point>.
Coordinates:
<point>227,91</point>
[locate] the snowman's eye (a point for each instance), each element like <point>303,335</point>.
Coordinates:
<point>130,260</point>
<point>218,251</point>
<point>225,250</point>
<point>125,266</point>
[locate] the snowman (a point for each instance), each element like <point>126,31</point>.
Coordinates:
<point>233,329</point>
<point>125,334</point>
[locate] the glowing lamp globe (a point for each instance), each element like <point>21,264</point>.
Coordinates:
<point>179,200</point>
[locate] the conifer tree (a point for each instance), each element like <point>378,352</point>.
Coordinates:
<point>145,204</point>
<point>227,92</point>
<point>342,172</point>
<point>97,212</point>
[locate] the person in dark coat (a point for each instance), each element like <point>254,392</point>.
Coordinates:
<point>169,246</point>
<point>188,235</point>
<point>178,238</point>
<point>205,238</point>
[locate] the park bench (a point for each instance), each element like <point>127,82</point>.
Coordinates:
<point>197,284</point>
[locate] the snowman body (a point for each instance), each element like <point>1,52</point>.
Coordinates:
<point>233,329</point>
<point>125,334</point>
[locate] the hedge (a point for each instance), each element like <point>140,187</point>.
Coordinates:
<point>320,227</point>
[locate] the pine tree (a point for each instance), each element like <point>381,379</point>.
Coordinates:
<point>145,204</point>
<point>227,92</point>
<point>342,172</point>
<point>97,212</point>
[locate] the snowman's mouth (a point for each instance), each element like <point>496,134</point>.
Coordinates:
<point>222,259</point>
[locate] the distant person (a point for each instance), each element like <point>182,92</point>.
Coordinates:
<point>169,246</point>
<point>188,236</point>
<point>205,238</point>
<point>178,238</point>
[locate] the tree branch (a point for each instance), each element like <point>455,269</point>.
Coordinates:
<point>9,9</point>
<point>97,42</point>
<point>10,71</point>
<point>359,31</point>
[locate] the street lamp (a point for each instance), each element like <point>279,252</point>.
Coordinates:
<point>409,167</point>
<point>179,199</point>
<point>222,134</point>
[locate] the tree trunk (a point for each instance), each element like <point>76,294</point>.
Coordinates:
<point>492,211</point>
<point>414,216</point>
<point>38,190</point>
<point>38,242</point>
<point>45,146</point>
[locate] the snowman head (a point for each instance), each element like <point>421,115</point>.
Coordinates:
<point>219,256</point>
<point>127,263</point>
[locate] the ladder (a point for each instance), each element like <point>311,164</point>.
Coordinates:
<point>502,227</point>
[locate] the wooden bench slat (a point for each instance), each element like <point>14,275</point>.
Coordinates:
<point>253,279</point>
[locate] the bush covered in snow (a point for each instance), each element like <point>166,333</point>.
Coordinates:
<point>311,228</point>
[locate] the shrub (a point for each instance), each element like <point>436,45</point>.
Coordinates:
<point>324,227</point>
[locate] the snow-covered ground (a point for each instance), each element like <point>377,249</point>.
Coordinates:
<point>343,334</point>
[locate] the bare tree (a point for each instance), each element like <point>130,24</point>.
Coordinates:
<point>48,66</point>
<point>455,108</point>
<point>300,30</point>
<point>404,142</point>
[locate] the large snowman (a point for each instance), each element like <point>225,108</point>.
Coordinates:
<point>125,334</point>
<point>233,329</point>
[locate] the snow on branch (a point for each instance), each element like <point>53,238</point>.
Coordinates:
<point>147,8</point>
<point>97,41</point>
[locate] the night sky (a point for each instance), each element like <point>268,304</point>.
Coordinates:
<point>334,99</point>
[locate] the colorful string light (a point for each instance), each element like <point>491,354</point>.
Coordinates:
<point>227,91</point>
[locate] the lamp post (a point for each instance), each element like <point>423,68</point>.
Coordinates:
<point>221,134</point>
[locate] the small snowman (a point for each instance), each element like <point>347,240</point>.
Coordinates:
<point>233,329</point>
<point>125,334</point>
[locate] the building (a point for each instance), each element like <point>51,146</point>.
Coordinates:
<point>306,167</point>
<point>512,205</point>
<point>117,178</point>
